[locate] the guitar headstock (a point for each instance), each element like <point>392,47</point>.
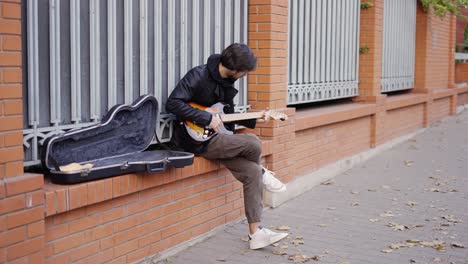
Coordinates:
<point>276,115</point>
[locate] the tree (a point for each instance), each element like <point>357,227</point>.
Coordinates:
<point>441,7</point>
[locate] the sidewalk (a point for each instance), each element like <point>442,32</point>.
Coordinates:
<point>417,191</point>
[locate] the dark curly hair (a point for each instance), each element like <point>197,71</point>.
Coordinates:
<point>239,57</point>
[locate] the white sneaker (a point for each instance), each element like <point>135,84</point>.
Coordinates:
<point>271,183</point>
<point>264,237</point>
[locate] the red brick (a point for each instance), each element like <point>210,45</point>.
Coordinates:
<point>56,232</point>
<point>10,91</point>
<point>10,26</point>
<point>78,196</point>
<point>11,154</point>
<point>10,10</point>
<point>35,198</point>
<point>36,229</point>
<point>11,123</point>
<point>26,183</point>
<point>84,251</point>
<point>24,249</point>
<point>2,185</point>
<point>12,75</point>
<point>126,248</point>
<point>13,169</point>
<point>12,204</point>
<point>37,258</point>
<point>12,236</point>
<point>10,58</point>
<point>25,217</point>
<point>14,138</point>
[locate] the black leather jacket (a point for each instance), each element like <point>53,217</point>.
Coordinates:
<point>205,86</point>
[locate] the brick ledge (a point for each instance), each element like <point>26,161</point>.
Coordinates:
<point>64,198</point>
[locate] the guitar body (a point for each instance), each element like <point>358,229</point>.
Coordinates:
<point>200,133</point>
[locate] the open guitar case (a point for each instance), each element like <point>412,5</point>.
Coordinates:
<point>113,147</point>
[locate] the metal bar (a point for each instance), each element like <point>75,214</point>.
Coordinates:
<point>227,22</point>
<point>324,42</point>
<point>196,32</point>
<point>328,37</point>
<point>128,50</point>
<point>334,39</point>
<point>307,43</point>
<point>341,54</point>
<point>354,32</point>
<point>55,66</point>
<point>237,22</point>
<point>356,50</point>
<point>144,38</point>
<point>206,29</point>
<point>245,24</point>
<point>95,59</point>
<point>75,48</point>
<point>158,50</point>
<point>300,48</point>
<point>112,53</point>
<point>218,37</point>
<point>33,57</point>
<point>293,46</point>
<point>183,37</point>
<point>313,50</point>
<point>171,43</point>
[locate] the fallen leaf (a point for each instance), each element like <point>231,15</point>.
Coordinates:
<point>278,252</point>
<point>372,190</point>
<point>330,182</point>
<point>387,214</point>
<point>397,227</point>
<point>275,244</point>
<point>354,203</point>
<point>331,208</point>
<point>451,218</point>
<point>409,163</point>
<point>436,260</point>
<point>354,192</point>
<point>322,225</point>
<point>244,250</point>
<point>412,261</point>
<point>282,228</point>
<point>397,246</point>
<point>410,203</point>
<point>457,245</point>
<point>385,187</point>
<point>413,241</point>
<point>387,250</point>
<point>245,239</point>
<point>299,258</point>
<point>297,242</point>
<point>373,220</point>
<point>221,260</point>
<point>284,247</point>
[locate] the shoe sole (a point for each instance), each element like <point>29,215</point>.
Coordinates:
<point>282,189</point>
<point>267,244</point>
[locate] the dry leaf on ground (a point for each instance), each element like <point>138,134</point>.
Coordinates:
<point>330,182</point>
<point>457,245</point>
<point>282,228</point>
<point>279,252</point>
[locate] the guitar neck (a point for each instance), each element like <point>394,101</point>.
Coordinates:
<point>237,117</point>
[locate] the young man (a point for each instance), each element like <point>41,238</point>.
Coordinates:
<point>207,85</point>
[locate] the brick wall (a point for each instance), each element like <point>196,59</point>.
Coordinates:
<point>127,218</point>
<point>22,198</point>
<point>402,121</point>
<point>142,223</point>
<point>319,146</point>
<point>463,98</point>
<point>461,72</point>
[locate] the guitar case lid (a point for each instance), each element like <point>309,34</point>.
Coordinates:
<point>115,146</point>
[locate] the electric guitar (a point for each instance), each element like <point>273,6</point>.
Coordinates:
<point>201,134</point>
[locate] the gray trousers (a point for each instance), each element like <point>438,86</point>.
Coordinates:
<point>240,153</point>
